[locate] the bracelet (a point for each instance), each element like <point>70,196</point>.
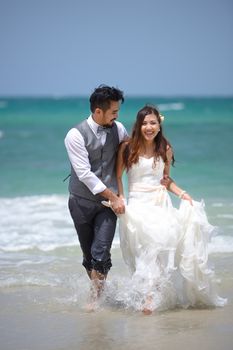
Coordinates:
<point>181,194</point>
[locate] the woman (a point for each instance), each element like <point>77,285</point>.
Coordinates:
<point>165,248</point>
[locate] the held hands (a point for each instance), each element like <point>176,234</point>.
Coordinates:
<point>118,205</point>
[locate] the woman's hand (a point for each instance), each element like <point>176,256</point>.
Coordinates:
<point>166,181</point>
<point>187,197</point>
<point>118,205</point>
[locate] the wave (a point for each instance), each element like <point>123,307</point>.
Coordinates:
<point>43,223</point>
<point>221,244</point>
<point>175,106</point>
<point>225,216</point>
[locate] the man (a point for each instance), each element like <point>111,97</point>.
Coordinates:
<point>92,148</point>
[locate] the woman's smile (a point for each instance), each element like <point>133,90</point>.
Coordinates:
<point>150,127</point>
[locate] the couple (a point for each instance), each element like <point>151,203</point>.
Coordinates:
<point>157,240</point>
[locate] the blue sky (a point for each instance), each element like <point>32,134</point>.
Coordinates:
<point>149,47</point>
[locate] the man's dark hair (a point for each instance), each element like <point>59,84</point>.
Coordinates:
<point>102,97</point>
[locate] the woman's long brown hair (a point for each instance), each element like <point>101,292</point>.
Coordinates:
<point>132,149</point>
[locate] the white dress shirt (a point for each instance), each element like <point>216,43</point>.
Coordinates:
<point>78,154</point>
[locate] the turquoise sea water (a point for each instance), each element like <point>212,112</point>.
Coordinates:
<point>36,231</point>
<point>33,158</point>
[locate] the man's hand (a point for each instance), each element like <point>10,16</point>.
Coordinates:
<point>116,203</point>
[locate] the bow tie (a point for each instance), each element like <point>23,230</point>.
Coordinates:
<point>101,129</point>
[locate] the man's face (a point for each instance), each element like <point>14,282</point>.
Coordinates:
<point>107,118</point>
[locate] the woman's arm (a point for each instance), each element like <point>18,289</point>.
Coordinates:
<point>120,167</point>
<point>172,186</point>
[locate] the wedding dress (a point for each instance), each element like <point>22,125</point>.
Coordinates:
<point>164,247</point>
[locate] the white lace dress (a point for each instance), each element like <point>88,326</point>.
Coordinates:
<point>165,248</point>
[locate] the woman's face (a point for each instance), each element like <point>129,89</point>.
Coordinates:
<point>150,127</point>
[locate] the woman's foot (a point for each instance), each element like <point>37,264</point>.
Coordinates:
<point>146,311</point>
<point>91,306</point>
<point>147,307</point>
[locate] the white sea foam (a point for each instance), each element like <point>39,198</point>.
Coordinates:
<point>44,223</point>
<point>217,205</point>
<point>175,106</point>
<point>37,222</point>
<point>39,246</point>
<point>225,216</point>
<point>221,244</point>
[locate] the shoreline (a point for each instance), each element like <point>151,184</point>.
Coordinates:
<point>25,324</point>
<point>52,318</point>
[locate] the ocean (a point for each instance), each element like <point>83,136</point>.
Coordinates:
<point>40,258</point>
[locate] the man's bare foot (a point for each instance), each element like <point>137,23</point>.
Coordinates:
<point>97,287</point>
<point>92,303</point>
<point>98,281</point>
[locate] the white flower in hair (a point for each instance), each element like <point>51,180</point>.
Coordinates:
<point>161,118</point>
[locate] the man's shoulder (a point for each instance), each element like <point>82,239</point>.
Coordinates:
<point>81,124</point>
<point>73,134</point>
<point>122,132</point>
<point>121,128</point>
<point>119,124</point>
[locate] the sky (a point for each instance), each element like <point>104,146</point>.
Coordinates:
<point>150,47</point>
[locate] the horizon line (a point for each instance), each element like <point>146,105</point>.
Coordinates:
<point>74,96</point>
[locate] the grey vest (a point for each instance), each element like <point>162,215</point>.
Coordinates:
<point>102,159</point>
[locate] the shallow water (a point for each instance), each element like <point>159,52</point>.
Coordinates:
<point>54,317</point>
<point>43,288</point>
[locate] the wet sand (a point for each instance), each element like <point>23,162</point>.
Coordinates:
<point>31,318</point>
